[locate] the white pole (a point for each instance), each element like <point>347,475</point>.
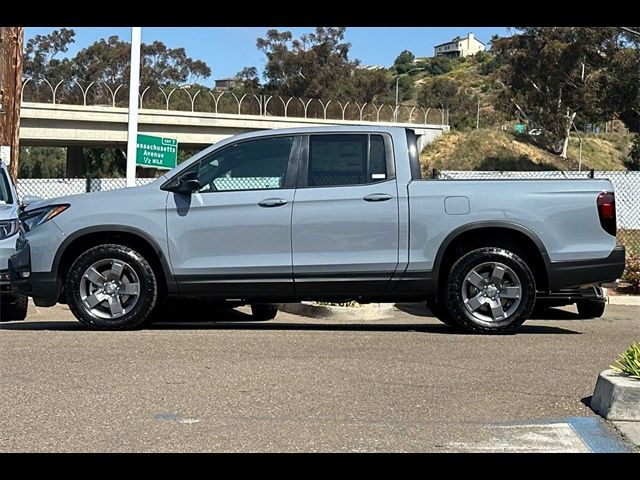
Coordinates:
<point>134,87</point>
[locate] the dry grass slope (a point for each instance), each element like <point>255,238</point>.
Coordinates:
<point>489,149</point>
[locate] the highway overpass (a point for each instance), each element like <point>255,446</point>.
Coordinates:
<point>49,124</point>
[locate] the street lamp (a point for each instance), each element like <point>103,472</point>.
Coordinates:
<point>402,75</point>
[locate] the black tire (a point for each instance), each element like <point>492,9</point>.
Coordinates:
<point>147,291</point>
<point>453,292</point>
<point>261,312</point>
<point>14,310</point>
<point>590,308</point>
<point>439,312</point>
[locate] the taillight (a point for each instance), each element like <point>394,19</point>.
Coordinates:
<point>607,212</point>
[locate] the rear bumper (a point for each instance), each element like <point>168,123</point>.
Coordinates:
<point>44,287</point>
<point>587,272</point>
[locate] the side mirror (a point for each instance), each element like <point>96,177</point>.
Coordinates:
<point>188,183</point>
<point>29,200</point>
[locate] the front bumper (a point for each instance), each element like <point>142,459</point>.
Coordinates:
<point>44,287</point>
<point>587,272</point>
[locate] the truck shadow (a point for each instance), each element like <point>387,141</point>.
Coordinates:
<point>421,310</point>
<point>229,319</point>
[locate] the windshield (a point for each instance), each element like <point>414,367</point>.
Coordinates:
<point>5,192</point>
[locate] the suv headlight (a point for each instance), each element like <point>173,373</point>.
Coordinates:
<point>8,228</point>
<point>33,218</point>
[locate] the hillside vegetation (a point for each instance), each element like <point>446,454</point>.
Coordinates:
<point>492,149</point>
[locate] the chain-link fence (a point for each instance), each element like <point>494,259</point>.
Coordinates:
<point>626,186</point>
<point>59,187</point>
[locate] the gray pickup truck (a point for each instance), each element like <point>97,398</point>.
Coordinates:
<point>332,214</point>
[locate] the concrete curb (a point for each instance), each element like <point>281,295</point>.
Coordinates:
<point>308,309</point>
<point>632,300</point>
<point>616,397</point>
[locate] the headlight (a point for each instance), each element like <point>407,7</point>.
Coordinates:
<point>8,228</point>
<point>36,217</point>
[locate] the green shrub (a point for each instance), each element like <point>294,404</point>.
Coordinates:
<point>632,273</point>
<point>633,163</point>
<point>629,361</point>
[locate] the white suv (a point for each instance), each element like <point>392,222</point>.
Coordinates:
<point>12,306</point>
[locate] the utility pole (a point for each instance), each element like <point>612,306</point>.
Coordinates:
<point>11,58</point>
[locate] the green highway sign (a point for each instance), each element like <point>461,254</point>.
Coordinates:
<point>156,152</point>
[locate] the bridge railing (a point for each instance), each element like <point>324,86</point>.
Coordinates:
<point>188,98</point>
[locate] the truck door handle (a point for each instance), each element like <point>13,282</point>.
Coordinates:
<point>272,202</point>
<point>377,197</point>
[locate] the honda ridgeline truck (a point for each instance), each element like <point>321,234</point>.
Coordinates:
<point>330,214</point>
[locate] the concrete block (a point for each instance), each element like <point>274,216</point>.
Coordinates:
<point>616,396</point>
<point>366,312</point>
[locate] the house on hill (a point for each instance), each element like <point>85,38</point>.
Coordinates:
<point>460,47</point>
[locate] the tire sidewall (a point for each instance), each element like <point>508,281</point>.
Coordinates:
<point>148,287</point>
<point>460,269</point>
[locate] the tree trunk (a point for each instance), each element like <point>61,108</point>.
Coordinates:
<point>565,141</point>
<point>76,166</point>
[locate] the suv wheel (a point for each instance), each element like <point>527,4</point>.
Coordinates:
<point>111,287</point>
<point>490,290</point>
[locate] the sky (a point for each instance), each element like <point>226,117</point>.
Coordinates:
<point>228,49</point>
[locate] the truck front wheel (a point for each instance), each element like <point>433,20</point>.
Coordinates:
<point>490,290</point>
<point>111,287</point>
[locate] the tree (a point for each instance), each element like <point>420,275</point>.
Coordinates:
<point>108,61</point>
<point>439,66</point>
<point>316,65</point>
<point>633,163</point>
<point>41,50</point>
<point>368,86</point>
<point>404,62</point>
<point>250,81</point>
<point>552,74</point>
<point>441,92</point>
<point>621,83</point>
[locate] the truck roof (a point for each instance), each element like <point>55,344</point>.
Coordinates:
<point>319,129</point>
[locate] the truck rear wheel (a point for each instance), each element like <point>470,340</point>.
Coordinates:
<point>489,290</point>
<point>111,287</point>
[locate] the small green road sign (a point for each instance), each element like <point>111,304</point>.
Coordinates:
<point>156,152</point>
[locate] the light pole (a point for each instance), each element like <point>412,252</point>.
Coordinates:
<point>134,88</point>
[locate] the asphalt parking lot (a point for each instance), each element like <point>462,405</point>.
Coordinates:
<point>220,382</point>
